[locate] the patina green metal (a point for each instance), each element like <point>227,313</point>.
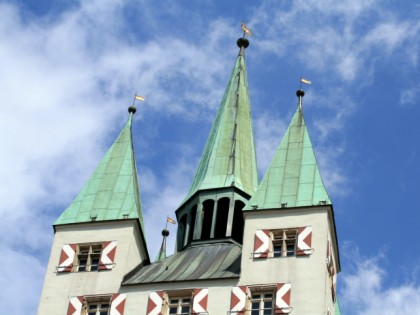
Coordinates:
<point>293,178</point>
<point>198,262</point>
<point>111,193</point>
<point>162,252</point>
<point>337,307</point>
<point>229,158</point>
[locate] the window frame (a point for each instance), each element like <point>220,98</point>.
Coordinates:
<point>179,295</point>
<point>265,294</point>
<point>100,302</point>
<point>90,253</point>
<point>283,239</point>
<point>180,304</point>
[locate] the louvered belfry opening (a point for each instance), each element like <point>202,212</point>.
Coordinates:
<point>238,222</point>
<point>191,223</point>
<point>221,217</point>
<point>211,217</point>
<point>207,213</point>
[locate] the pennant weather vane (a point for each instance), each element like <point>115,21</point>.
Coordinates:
<point>303,80</point>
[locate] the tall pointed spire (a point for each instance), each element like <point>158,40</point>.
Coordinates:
<point>293,178</point>
<point>229,157</point>
<point>111,193</point>
<point>226,176</point>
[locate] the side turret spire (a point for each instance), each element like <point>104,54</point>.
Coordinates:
<point>162,252</point>
<point>112,192</point>
<point>293,178</point>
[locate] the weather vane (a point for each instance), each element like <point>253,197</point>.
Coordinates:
<point>303,80</point>
<point>246,30</point>
<point>138,98</point>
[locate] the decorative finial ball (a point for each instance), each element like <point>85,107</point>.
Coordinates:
<point>242,42</point>
<point>132,109</point>
<point>165,232</point>
<point>300,93</point>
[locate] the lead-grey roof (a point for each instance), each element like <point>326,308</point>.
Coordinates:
<point>198,262</point>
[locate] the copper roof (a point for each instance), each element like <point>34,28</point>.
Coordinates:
<point>198,262</point>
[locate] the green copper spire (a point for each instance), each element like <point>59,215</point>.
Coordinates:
<point>229,155</point>
<point>111,193</point>
<point>162,252</point>
<point>293,178</point>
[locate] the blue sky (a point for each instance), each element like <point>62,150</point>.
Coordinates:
<point>69,71</point>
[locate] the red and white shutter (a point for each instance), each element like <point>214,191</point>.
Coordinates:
<point>334,284</point>
<point>108,255</point>
<point>238,300</point>
<point>200,301</point>
<point>304,244</point>
<point>154,306</point>
<point>75,305</point>
<point>67,258</point>
<point>117,304</point>
<point>283,291</point>
<point>261,243</point>
<point>328,250</point>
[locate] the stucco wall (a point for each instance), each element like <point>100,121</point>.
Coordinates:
<point>59,287</point>
<point>307,274</point>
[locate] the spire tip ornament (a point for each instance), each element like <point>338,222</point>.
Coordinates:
<point>132,109</point>
<point>246,30</point>
<point>300,93</point>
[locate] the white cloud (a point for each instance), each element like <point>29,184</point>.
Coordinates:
<point>61,79</point>
<point>410,96</point>
<point>362,29</point>
<point>363,291</point>
<point>269,131</point>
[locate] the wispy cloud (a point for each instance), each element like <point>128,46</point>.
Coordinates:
<point>363,290</point>
<point>410,96</point>
<point>61,78</point>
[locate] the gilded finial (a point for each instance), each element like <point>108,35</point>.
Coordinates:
<point>246,30</point>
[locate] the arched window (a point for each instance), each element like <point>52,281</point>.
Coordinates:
<point>208,207</point>
<point>193,215</point>
<point>222,217</point>
<point>182,226</point>
<point>238,222</point>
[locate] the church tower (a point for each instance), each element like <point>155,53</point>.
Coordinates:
<point>241,247</point>
<point>290,237</point>
<point>99,238</point>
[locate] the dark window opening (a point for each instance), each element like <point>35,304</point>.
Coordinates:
<point>182,225</point>
<point>238,222</point>
<point>192,223</point>
<point>222,217</point>
<point>208,207</point>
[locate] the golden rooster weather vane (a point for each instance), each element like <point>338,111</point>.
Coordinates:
<point>246,30</point>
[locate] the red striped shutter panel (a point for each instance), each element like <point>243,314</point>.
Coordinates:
<point>75,305</point>
<point>238,300</point>
<point>108,255</point>
<point>117,304</point>
<point>283,291</point>
<point>261,243</point>
<point>154,306</point>
<point>328,251</point>
<point>67,258</point>
<point>200,301</point>
<point>334,285</point>
<point>304,246</point>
